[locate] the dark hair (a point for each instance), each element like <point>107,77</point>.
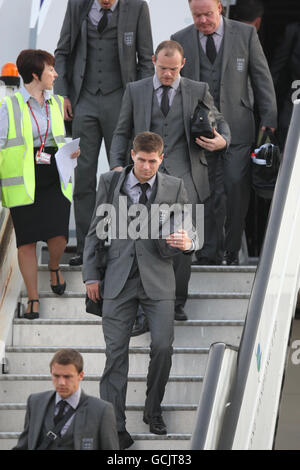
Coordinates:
<point>65,357</point>
<point>171,47</point>
<point>247,10</point>
<point>32,61</point>
<point>148,142</point>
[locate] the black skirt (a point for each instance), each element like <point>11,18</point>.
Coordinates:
<point>49,215</point>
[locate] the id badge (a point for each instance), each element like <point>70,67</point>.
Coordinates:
<point>43,158</point>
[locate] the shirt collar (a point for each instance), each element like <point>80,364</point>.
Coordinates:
<point>219,31</point>
<point>157,84</point>
<point>112,8</point>
<point>26,95</point>
<point>133,181</point>
<point>72,400</point>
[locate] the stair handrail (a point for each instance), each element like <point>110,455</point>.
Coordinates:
<point>220,370</point>
<point>253,403</point>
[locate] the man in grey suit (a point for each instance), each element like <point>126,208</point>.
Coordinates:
<point>143,110</point>
<point>104,44</point>
<point>139,271</point>
<point>67,418</point>
<point>227,55</point>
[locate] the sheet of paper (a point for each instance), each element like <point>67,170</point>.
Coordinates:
<point>65,164</point>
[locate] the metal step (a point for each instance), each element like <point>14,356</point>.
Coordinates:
<point>36,360</point>
<point>175,416</point>
<point>203,279</point>
<point>181,389</point>
<point>212,306</point>
<point>216,308</point>
<point>70,333</point>
<point>143,441</point>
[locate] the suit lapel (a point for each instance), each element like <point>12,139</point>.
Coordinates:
<point>79,26</point>
<point>194,47</point>
<point>38,415</point>
<point>147,100</point>
<point>122,21</point>
<point>80,421</point>
<point>161,189</point>
<point>187,107</point>
<point>119,185</point>
<point>229,35</point>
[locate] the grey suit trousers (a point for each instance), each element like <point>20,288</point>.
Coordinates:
<point>237,181</point>
<point>118,318</point>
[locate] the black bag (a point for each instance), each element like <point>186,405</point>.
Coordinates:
<point>265,165</point>
<point>202,122</point>
<point>96,307</point>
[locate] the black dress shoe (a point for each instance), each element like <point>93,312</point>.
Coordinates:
<point>125,440</point>
<point>156,424</point>
<point>180,314</point>
<point>140,327</point>
<point>76,260</point>
<point>231,258</point>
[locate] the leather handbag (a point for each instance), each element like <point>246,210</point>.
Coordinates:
<point>265,165</point>
<point>92,307</point>
<point>201,122</point>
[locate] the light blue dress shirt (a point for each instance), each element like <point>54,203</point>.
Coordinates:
<point>95,13</point>
<point>217,36</point>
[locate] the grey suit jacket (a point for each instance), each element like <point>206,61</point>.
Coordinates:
<point>156,271</point>
<point>243,58</point>
<point>135,117</point>
<point>94,419</point>
<point>134,43</point>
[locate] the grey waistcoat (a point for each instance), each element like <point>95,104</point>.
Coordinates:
<point>66,442</point>
<point>103,70</point>
<point>176,160</point>
<point>211,73</point>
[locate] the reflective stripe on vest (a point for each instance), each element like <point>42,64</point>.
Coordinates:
<point>17,174</point>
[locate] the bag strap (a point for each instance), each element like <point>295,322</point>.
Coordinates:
<point>53,434</point>
<point>112,186</point>
<point>269,134</point>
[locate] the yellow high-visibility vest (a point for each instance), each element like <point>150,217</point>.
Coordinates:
<point>17,174</point>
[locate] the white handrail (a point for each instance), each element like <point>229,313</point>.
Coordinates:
<point>250,420</point>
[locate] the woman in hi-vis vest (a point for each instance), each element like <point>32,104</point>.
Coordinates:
<point>31,132</point>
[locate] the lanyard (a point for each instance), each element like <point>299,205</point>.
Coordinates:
<point>38,128</point>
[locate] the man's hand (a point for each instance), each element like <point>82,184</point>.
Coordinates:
<point>118,168</point>
<point>180,240</point>
<point>92,291</point>
<point>68,112</point>
<point>217,143</point>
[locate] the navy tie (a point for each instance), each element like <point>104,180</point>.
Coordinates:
<point>164,105</point>
<point>143,197</point>
<point>103,21</point>
<point>61,408</point>
<point>211,51</point>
